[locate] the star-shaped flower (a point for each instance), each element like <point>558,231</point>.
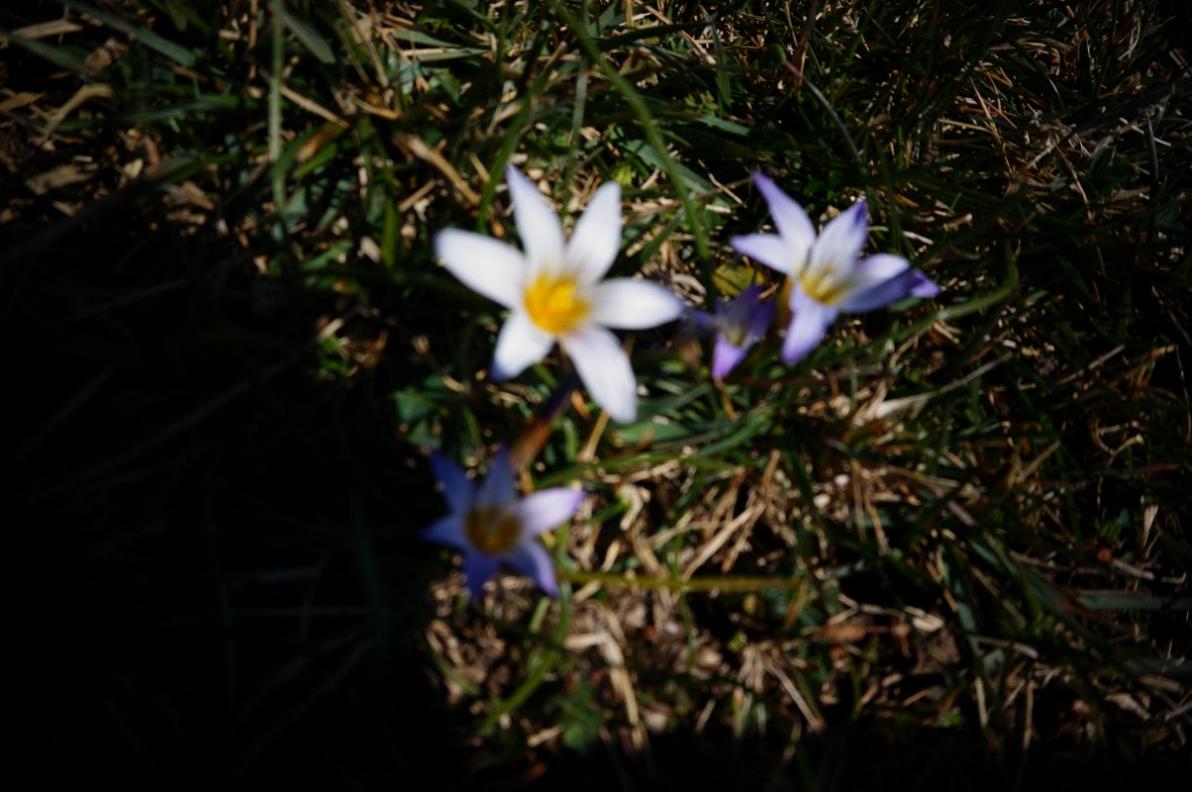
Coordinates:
<point>823,272</point>
<point>738,323</point>
<point>555,292</point>
<point>491,525</point>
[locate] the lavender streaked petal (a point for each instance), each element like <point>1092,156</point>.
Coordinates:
<point>478,570</point>
<point>739,309</point>
<point>447,531</point>
<point>457,489</point>
<point>532,560</point>
<point>881,294</point>
<point>879,267</point>
<point>924,286</point>
<point>760,317</point>
<point>792,222</point>
<point>703,320</point>
<point>809,323</point>
<point>725,357</point>
<point>841,241</point>
<point>769,249</point>
<point>546,509</point>
<point>499,488</point>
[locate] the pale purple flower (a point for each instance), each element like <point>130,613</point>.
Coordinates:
<point>823,272</point>
<point>738,324</point>
<point>554,291</point>
<point>491,525</point>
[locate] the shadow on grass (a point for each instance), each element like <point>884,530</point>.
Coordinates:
<point>218,572</point>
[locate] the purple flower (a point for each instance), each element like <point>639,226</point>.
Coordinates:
<point>739,324</point>
<point>824,274</point>
<point>490,525</point>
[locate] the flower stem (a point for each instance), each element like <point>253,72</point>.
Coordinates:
<point>533,436</point>
<point>728,584</point>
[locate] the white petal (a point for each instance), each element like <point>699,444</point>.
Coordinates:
<point>841,242</point>
<point>546,509</point>
<point>879,295</point>
<point>537,224</point>
<point>604,368</point>
<point>483,264</point>
<point>877,268</point>
<point>634,304</point>
<point>769,249</point>
<point>597,237</point>
<point>877,281</point>
<point>520,343</point>
<point>789,218</point>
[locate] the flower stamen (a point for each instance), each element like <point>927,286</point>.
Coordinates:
<point>491,531</point>
<point>822,286</point>
<point>555,304</point>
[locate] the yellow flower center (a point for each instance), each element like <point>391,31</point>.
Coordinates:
<point>491,531</point>
<point>822,286</point>
<point>734,333</point>
<point>554,303</point>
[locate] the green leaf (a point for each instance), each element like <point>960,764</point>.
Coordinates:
<point>147,37</point>
<point>732,127</point>
<point>55,55</point>
<point>308,37</point>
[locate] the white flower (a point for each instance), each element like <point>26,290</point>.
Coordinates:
<point>555,292</point>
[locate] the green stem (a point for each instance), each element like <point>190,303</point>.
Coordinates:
<point>985,301</point>
<point>729,584</point>
<point>547,659</point>
<point>1009,282</point>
